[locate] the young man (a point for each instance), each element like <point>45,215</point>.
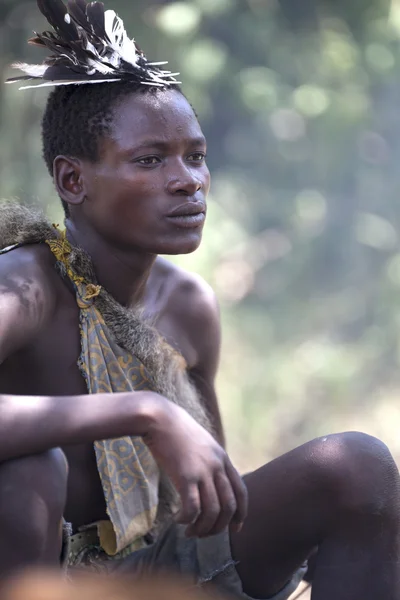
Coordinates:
<point>80,363</point>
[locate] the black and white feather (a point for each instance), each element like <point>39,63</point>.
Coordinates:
<point>88,45</point>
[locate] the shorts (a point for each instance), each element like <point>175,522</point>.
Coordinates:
<point>204,560</point>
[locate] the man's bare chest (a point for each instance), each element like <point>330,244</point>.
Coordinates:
<point>49,365</point>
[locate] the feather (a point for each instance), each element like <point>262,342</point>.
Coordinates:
<point>21,78</point>
<point>153,83</point>
<point>100,67</point>
<point>120,43</point>
<point>55,12</point>
<point>62,73</point>
<point>95,14</point>
<point>30,70</point>
<point>36,41</point>
<point>77,10</point>
<point>68,82</point>
<point>81,4</point>
<point>62,50</point>
<point>89,44</point>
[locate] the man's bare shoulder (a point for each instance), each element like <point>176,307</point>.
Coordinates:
<point>25,268</point>
<point>188,294</point>
<point>188,315</point>
<point>27,295</point>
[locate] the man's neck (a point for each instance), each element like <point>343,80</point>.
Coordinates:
<point>123,274</point>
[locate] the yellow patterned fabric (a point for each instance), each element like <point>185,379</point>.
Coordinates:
<point>128,472</point>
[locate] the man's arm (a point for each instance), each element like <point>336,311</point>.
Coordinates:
<point>208,345</point>
<point>209,398</point>
<point>34,424</point>
<point>27,298</point>
<point>211,491</point>
<point>197,316</point>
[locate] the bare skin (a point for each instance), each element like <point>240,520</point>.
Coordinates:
<point>340,493</point>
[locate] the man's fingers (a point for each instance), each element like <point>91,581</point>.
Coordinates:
<point>210,510</point>
<point>213,502</point>
<point>227,501</point>
<point>191,505</point>
<point>240,491</point>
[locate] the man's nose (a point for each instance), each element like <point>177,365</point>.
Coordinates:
<point>184,182</point>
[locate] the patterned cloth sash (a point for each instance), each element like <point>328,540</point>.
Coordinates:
<point>128,472</point>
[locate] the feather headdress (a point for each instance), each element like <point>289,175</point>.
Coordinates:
<point>88,45</point>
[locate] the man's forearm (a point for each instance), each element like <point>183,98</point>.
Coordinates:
<point>34,424</point>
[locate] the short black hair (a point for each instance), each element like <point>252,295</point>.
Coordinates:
<point>76,117</point>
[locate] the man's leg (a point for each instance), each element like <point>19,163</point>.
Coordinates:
<point>340,493</point>
<point>32,498</point>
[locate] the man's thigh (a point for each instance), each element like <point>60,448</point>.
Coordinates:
<point>294,503</point>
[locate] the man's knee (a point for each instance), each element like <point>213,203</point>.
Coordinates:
<point>358,471</point>
<point>32,498</point>
<point>46,472</point>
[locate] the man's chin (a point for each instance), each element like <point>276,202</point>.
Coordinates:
<point>178,251</point>
<point>177,247</point>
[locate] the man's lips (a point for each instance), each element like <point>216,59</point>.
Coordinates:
<point>188,215</point>
<point>188,209</point>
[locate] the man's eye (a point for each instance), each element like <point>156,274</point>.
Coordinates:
<point>197,157</point>
<point>149,160</point>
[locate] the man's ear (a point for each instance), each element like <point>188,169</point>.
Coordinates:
<point>68,179</point>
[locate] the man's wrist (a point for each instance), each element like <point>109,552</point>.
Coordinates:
<point>147,411</point>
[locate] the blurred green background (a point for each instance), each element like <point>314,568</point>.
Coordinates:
<point>301,106</point>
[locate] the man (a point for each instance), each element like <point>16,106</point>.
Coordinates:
<point>128,162</point>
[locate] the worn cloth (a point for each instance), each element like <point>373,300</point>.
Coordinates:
<point>205,561</point>
<point>127,469</point>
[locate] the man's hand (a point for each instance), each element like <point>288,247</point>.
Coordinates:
<point>212,493</point>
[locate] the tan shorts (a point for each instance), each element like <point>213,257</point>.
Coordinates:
<point>206,560</point>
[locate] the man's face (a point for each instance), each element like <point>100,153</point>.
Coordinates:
<point>148,190</point>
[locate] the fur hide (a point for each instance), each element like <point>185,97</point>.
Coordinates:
<point>22,225</point>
